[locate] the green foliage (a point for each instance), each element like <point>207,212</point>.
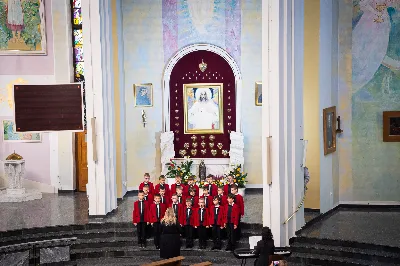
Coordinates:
<point>239,177</point>
<point>31,34</point>
<point>183,170</point>
<point>5,33</point>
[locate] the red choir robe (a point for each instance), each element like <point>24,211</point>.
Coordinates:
<point>209,201</point>
<point>223,200</point>
<point>182,217</point>
<point>151,187</point>
<point>136,211</point>
<point>149,198</point>
<point>180,209</point>
<point>165,200</point>
<point>167,191</point>
<point>213,191</point>
<point>211,215</point>
<point>195,201</point>
<point>227,191</point>
<point>240,202</point>
<point>173,189</point>
<point>235,214</point>
<point>153,212</point>
<point>182,199</point>
<point>188,187</point>
<point>196,217</point>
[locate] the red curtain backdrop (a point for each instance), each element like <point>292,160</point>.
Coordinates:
<point>187,71</point>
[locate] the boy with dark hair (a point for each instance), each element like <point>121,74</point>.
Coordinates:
<point>231,221</point>
<point>192,196</point>
<point>201,223</point>
<point>223,199</point>
<point>147,195</point>
<point>187,221</point>
<point>207,198</point>
<point>179,193</point>
<point>164,199</point>
<point>191,185</point>
<point>140,217</point>
<point>178,183</point>
<point>212,188</point>
<point>216,222</point>
<point>146,181</point>
<point>161,185</point>
<point>157,211</point>
<point>240,202</point>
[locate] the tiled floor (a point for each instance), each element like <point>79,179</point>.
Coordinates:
<point>69,209</point>
<point>372,226</point>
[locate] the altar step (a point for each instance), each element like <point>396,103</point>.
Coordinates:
<point>313,251</point>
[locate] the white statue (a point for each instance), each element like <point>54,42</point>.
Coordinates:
<point>167,150</point>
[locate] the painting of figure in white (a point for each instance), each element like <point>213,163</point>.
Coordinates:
<point>203,108</point>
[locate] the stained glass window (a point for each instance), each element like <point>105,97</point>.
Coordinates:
<point>77,42</point>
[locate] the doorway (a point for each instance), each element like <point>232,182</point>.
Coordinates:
<point>81,160</point>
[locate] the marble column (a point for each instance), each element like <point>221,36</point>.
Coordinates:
<point>282,116</point>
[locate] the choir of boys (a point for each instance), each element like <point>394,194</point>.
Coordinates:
<point>217,208</point>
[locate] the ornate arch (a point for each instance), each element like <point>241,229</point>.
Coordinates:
<point>200,47</point>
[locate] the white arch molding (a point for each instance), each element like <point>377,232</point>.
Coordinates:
<point>201,47</point>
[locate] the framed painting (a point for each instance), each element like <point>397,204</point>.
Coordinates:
<point>203,108</point>
<point>22,27</point>
<point>9,134</point>
<point>258,93</point>
<point>329,124</point>
<point>391,126</point>
<point>143,95</point>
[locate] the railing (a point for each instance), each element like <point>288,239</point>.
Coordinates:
<point>36,250</point>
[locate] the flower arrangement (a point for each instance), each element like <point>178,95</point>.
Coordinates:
<point>239,178</point>
<point>202,183</point>
<point>219,181</point>
<point>182,170</point>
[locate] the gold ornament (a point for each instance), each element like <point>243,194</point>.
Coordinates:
<point>194,138</point>
<point>229,117</point>
<point>212,137</point>
<point>214,152</point>
<point>203,137</point>
<point>229,124</point>
<point>193,152</point>
<point>194,145</point>
<point>177,124</point>
<point>176,110</point>
<point>176,131</point>
<point>203,144</point>
<point>14,157</point>
<point>204,152</point>
<point>202,66</point>
<point>211,144</point>
<point>177,117</point>
<point>219,145</point>
<point>225,153</point>
<point>182,153</point>
<point>229,110</point>
<point>186,145</point>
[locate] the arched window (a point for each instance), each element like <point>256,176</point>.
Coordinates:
<point>77,42</point>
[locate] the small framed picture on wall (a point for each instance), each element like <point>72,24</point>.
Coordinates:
<point>143,95</point>
<point>258,93</point>
<point>391,126</point>
<point>329,124</point>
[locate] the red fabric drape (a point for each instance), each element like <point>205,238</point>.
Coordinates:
<point>187,71</point>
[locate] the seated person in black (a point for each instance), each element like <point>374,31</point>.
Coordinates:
<point>265,248</point>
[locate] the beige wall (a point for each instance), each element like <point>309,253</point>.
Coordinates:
<point>311,99</point>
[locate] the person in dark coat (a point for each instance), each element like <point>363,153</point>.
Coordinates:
<point>170,242</point>
<point>265,248</point>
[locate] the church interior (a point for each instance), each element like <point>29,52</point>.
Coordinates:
<point>292,106</point>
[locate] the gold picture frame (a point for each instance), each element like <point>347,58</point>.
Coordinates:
<point>329,126</point>
<point>143,100</point>
<point>208,111</point>
<point>258,93</point>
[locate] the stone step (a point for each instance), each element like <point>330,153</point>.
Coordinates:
<point>347,252</point>
<point>318,259</point>
<point>121,242</point>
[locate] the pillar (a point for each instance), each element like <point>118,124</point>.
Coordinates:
<point>98,56</point>
<point>282,116</point>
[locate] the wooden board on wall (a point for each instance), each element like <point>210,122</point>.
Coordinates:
<point>48,107</point>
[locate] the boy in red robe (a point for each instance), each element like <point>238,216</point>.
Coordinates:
<point>201,223</point>
<point>179,193</point>
<point>227,187</point>
<point>212,188</point>
<point>216,222</point>
<point>231,221</point>
<point>156,213</point>
<point>187,221</point>
<point>191,185</point>
<point>178,183</point>
<point>140,217</point>
<point>147,195</point>
<point>192,196</point>
<point>162,184</point>
<point>146,181</point>
<point>207,198</point>
<point>223,199</point>
<point>164,199</point>
<point>240,202</point>
<point>177,207</point>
